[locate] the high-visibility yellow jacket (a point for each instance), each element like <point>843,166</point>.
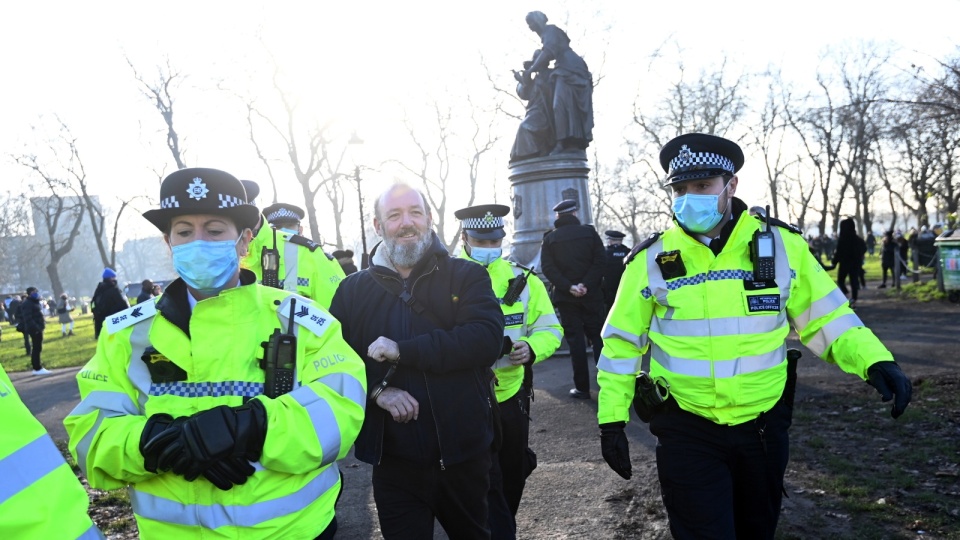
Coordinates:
<point>304,268</point>
<point>531,319</point>
<point>40,496</point>
<point>717,337</point>
<point>293,492</point>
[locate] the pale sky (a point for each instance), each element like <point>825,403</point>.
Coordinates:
<point>357,62</point>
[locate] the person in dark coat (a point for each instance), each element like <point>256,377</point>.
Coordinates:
<point>613,270</point>
<point>849,255</point>
<point>345,258</point>
<point>887,248</point>
<point>573,259</point>
<point>31,311</point>
<point>429,328</point>
<point>14,309</point>
<point>107,300</point>
<point>146,291</point>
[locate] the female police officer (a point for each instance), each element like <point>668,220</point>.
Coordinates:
<point>713,299</point>
<point>174,404</point>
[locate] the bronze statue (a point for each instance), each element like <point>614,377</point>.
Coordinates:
<point>535,136</point>
<point>570,86</point>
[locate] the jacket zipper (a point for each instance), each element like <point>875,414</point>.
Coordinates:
<point>426,383</point>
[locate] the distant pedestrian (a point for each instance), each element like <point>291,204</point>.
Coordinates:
<point>871,243</point>
<point>888,247</point>
<point>903,245</point>
<point>64,307</point>
<point>107,300</point>
<point>16,318</point>
<point>849,257</point>
<point>31,310</point>
<point>146,291</point>
<point>573,259</point>
<point>345,258</point>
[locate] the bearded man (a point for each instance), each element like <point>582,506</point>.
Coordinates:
<point>429,329</point>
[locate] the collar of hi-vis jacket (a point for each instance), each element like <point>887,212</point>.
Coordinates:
<point>175,306</point>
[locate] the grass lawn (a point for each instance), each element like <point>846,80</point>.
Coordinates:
<point>58,351</point>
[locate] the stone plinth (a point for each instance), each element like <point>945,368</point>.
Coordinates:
<point>538,184</point>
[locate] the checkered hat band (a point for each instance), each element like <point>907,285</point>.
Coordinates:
<point>282,213</point>
<point>693,161</point>
<point>169,202</point>
<point>485,222</point>
<point>227,201</point>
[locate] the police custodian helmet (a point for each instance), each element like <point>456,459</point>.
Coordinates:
<point>697,155</point>
<point>202,191</point>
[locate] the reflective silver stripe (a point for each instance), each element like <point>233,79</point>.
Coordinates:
<point>108,405</point>
<point>324,421</point>
<point>655,282</point>
<point>719,369</point>
<point>784,274</point>
<point>214,516</point>
<point>621,366</point>
<point>137,370</point>
<point>611,331</point>
<point>824,306</point>
<point>723,326</point>
<point>290,253</point>
<point>322,417</point>
<point>502,362</point>
<point>514,332</point>
<point>831,331</point>
<point>28,464</point>
<point>93,533</point>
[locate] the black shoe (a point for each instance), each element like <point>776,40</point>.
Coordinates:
<point>578,394</point>
<point>882,286</point>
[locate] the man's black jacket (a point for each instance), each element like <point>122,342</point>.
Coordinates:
<point>31,312</point>
<point>107,300</point>
<point>573,253</point>
<point>445,369</point>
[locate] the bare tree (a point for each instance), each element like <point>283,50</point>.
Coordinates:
<point>160,91</point>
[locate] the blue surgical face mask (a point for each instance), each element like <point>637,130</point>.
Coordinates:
<point>698,213</point>
<point>289,231</point>
<point>206,266</point>
<point>485,256</point>
<point>35,295</point>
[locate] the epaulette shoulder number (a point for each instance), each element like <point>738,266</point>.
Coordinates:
<point>303,241</point>
<point>130,316</point>
<point>640,247</point>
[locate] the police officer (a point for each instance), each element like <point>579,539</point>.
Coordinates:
<point>573,260</point>
<point>41,496</point>
<point>699,298</point>
<point>303,267</point>
<point>616,252</point>
<point>532,334</point>
<point>180,407</point>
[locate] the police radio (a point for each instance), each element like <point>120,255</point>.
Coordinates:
<point>764,263</point>
<point>515,286</point>
<point>280,359</point>
<point>270,263</point>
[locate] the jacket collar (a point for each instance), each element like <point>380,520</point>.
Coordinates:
<point>175,306</point>
<point>566,219</point>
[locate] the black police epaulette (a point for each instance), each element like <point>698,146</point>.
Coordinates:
<point>303,241</point>
<point>782,224</point>
<point>640,247</point>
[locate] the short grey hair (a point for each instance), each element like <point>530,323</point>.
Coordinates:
<point>395,187</point>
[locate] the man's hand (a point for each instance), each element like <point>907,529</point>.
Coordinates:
<point>384,350</point>
<point>615,448</point>
<point>401,405</point>
<point>890,381</point>
<point>521,353</point>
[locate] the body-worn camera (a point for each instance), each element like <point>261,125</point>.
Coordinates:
<point>649,395</point>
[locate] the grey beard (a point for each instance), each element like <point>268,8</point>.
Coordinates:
<point>407,255</point>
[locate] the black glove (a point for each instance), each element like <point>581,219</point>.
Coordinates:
<point>215,440</point>
<point>157,424</point>
<point>615,448</point>
<point>887,378</point>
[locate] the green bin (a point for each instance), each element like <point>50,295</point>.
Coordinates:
<point>948,245</point>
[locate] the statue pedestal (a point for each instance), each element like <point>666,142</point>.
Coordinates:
<point>537,184</point>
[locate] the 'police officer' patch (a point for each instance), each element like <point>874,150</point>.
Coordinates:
<point>763,302</point>
<point>514,319</point>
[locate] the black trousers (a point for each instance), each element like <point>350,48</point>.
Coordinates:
<point>409,497</point>
<point>516,458</point>
<point>852,272</point>
<point>721,482</point>
<point>26,342</point>
<point>580,322</point>
<point>37,339</point>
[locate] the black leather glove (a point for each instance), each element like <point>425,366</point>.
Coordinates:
<point>157,424</point>
<point>615,448</point>
<point>215,441</point>
<point>887,378</point>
